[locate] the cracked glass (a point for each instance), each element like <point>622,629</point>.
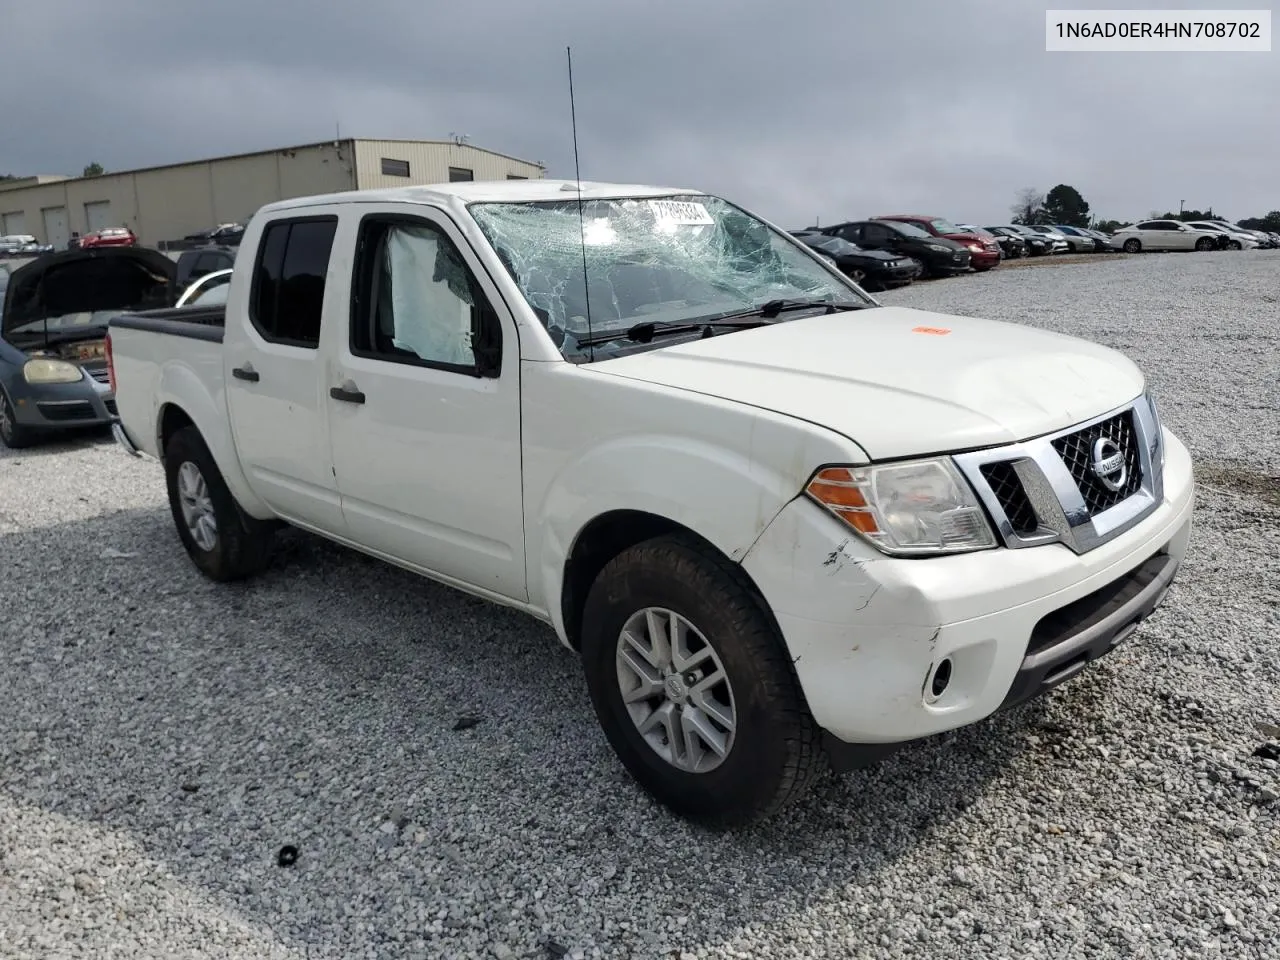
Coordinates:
<point>672,259</point>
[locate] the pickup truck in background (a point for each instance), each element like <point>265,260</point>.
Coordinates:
<point>786,528</point>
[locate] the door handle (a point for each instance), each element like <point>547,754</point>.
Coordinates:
<point>245,373</point>
<point>347,393</point>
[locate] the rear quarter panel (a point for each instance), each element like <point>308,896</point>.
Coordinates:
<point>155,370</point>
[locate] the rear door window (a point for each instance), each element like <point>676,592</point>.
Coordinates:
<point>289,280</point>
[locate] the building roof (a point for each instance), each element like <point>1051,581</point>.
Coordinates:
<point>484,191</point>
<point>34,181</point>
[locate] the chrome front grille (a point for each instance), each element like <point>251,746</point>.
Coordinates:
<point>1081,486</point>
<point>1076,450</point>
<point>1009,492</point>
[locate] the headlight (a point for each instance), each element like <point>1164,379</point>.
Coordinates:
<point>976,248</point>
<point>906,509</point>
<point>44,370</point>
<point>938,246</point>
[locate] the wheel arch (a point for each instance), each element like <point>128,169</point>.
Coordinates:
<point>184,400</point>
<point>609,534</point>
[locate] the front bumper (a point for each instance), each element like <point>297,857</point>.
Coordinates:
<point>866,632</point>
<point>63,406</point>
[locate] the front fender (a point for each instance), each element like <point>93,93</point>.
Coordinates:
<point>725,496</point>
<point>180,386</point>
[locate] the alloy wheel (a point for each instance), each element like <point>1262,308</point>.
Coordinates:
<point>676,690</point>
<point>197,507</point>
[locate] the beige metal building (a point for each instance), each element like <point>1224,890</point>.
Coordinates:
<point>167,203</point>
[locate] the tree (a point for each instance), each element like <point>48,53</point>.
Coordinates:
<point>1270,223</point>
<point>1109,226</point>
<point>1064,205</point>
<point>1029,207</point>
<point>93,170</point>
<point>8,176</point>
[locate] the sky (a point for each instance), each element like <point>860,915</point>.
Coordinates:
<point>801,111</point>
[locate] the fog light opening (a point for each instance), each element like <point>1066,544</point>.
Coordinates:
<point>940,680</point>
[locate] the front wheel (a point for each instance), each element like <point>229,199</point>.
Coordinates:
<point>12,434</point>
<point>224,542</point>
<point>1235,245</point>
<point>1204,243</point>
<point>1132,245</point>
<point>693,686</point>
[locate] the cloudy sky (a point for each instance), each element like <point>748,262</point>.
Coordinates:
<point>800,109</point>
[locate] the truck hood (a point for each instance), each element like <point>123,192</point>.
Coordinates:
<point>901,382</point>
<point>85,282</point>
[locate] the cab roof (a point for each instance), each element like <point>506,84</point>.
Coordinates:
<point>454,195</point>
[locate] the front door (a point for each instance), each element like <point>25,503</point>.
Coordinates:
<point>273,375</point>
<point>425,430</point>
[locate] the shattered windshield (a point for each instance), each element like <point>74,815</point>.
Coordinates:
<point>662,260</point>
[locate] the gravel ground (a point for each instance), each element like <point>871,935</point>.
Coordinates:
<point>162,738</point>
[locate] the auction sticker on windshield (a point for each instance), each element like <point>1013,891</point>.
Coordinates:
<point>685,213</point>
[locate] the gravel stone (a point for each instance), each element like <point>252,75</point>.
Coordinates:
<point>314,705</point>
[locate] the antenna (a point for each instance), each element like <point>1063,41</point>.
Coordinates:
<point>582,227</point>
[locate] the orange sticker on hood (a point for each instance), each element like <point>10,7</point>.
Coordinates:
<point>936,331</point>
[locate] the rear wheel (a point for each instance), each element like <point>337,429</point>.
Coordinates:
<point>220,538</point>
<point>693,686</point>
<point>1132,245</point>
<point>13,434</point>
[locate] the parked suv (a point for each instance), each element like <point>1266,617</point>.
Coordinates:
<point>984,252</point>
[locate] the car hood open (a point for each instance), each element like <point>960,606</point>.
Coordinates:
<point>87,281</point>
<point>901,382</point>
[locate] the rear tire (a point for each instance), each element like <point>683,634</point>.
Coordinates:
<point>13,434</point>
<point>767,749</point>
<point>222,541</point>
<point>1132,245</point>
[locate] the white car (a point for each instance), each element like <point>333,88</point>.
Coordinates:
<point>207,291</point>
<point>1164,235</point>
<point>1236,238</point>
<point>785,527</point>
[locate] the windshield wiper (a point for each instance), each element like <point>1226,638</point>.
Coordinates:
<point>760,316</point>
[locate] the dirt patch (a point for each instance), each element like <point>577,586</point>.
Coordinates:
<point>1241,479</point>
<point>1063,259</point>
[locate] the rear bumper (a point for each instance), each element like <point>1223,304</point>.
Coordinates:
<point>867,632</point>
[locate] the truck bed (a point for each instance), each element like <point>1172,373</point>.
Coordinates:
<point>186,356</point>
<point>200,323</point>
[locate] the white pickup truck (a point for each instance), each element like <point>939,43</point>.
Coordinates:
<point>787,528</point>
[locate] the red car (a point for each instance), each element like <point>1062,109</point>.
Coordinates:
<point>984,252</point>
<point>109,237</point>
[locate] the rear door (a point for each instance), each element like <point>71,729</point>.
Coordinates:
<point>274,379</point>
<point>426,443</point>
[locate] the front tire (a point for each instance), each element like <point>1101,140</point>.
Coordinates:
<point>1132,245</point>
<point>222,541</point>
<point>1204,243</point>
<point>13,434</point>
<point>693,685</point>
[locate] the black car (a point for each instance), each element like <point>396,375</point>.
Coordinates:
<point>194,264</point>
<point>1033,245</point>
<point>871,269</point>
<point>941,257</point>
<point>1011,247</point>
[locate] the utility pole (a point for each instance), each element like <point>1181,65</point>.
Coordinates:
<point>1181,204</point>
